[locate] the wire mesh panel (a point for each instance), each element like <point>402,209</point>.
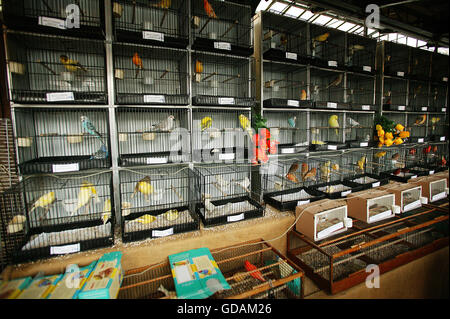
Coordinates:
<point>361,53</point>
<point>49,69</point>
<point>436,156</point>
<point>326,130</point>
<point>417,126</point>
<point>416,158</point>
<point>217,134</point>
<point>327,46</point>
<point>438,97</point>
<point>225,194</point>
<point>395,94</point>
<point>156,22</point>
<point>360,92</point>
<point>420,64</point>
<point>285,85</point>
<point>222,26</point>
<point>222,80</point>
<point>391,162</point>
<point>46,216</point>
<point>150,75</point>
<point>55,140</point>
<point>439,68</point>
<point>396,59</point>
<point>359,129</point>
<point>56,16</point>
<point>158,202</point>
<point>437,127</point>
<point>418,99</point>
<point>327,89</point>
<point>153,136</point>
<point>284,38</point>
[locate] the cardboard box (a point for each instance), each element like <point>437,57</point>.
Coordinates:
<point>40,287</point>
<point>12,288</point>
<point>72,282</point>
<point>358,205</point>
<point>433,187</point>
<point>407,195</point>
<point>105,280</point>
<point>322,219</point>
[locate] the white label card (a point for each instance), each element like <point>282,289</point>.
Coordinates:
<point>332,147</point>
<point>331,105</point>
<point>63,168</point>
<point>60,96</point>
<point>376,184</point>
<point>302,202</point>
<point>332,63</point>
<point>343,194</point>
<point>155,36</point>
<point>414,176</point>
<point>226,100</point>
<point>442,138</point>
<point>291,56</point>
<point>424,108</point>
<point>162,233</point>
<point>367,68</point>
<point>401,107</point>
<point>287,151</point>
<point>154,99</point>
<point>445,79</point>
<point>443,110</point>
<point>365,107</point>
<point>431,172</point>
<point>52,22</point>
<point>157,160</point>
<point>67,249</point>
<point>400,73</point>
<point>222,46</point>
<point>364,144</point>
<point>420,140</point>
<point>293,103</point>
<point>227,156</point>
<point>235,218</point>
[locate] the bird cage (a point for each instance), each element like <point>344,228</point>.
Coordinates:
<point>418,99</point>
<point>392,164</point>
<point>284,38</point>
<point>156,22</point>
<point>437,129</point>
<point>420,64</point>
<point>282,278</point>
<point>417,126</point>
<point>438,97</point>
<point>395,94</point>
<point>338,263</point>
<point>285,85</point>
<point>222,80</point>
<point>150,75</point>
<point>57,140</point>
<point>288,129</point>
<point>285,184</point>
<point>46,216</point>
<point>226,196</point>
<point>56,17</point>
<point>360,92</point>
<point>326,131</point>
<point>327,89</point>
<point>327,47</point>
<point>222,26</point>
<point>158,202</point>
<point>359,128</point>
<point>436,156</point>
<point>218,134</point>
<point>48,69</point>
<point>439,68</point>
<point>396,59</point>
<point>361,54</point>
<point>153,135</point>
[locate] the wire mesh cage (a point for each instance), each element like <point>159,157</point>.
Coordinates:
<point>156,22</point>
<point>55,140</point>
<point>361,54</point>
<point>396,59</point>
<point>284,38</point>
<point>222,26</point>
<point>222,80</point>
<point>45,216</point>
<point>418,99</point>
<point>326,130</point>
<point>417,124</point>
<point>156,281</point>
<point>56,69</point>
<point>359,129</point>
<point>150,75</point>
<point>360,92</point>
<point>56,17</point>
<point>153,136</point>
<point>416,158</point>
<point>158,202</point>
<point>391,162</point>
<point>218,135</point>
<point>285,85</point>
<point>395,94</point>
<point>327,47</point>
<point>226,196</point>
<point>438,97</point>
<point>420,64</point>
<point>436,156</point>
<point>437,128</point>
<point>328,89</point>
<point>439,68</point>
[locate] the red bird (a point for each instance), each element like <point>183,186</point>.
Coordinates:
<point>209,10</point>
<point>256,274</point>
<point>412,151</point>
<point>427,150</point>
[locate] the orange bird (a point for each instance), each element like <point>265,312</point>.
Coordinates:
<point>137,61</point>
<point>209,10</point>
<point>256,274</point>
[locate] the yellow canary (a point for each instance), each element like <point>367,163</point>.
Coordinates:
<point>86,193</point>
<point>361,163</point>
<point>171,214</point>
<point>381,139</point>
<point>44,201</point>
<point>198,66</point>
<point>335,167</point>
<point>144,187</point>
<point>322,37</point>
<point>206,123</point>
<point>421,119</point>
<point>246,125</point>
<point>325,170</point>
<point>333,122</point>
<point>71,65</point>
<point>106,215</point>
<point>380,154</point>
<point>380,133</point>
<point>145,219</point>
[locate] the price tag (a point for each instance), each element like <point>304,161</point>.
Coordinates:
<point>430,172</point>
<point>445,79</point>
<point>376,184</point>
<point>302,202</point>
<point>67,249</point>
<point>364,144</point>
<point>227,156</point>
<point>162,233</point>
<point>438,196</point>
<point>222,46</point>
<point>157,160</point>
<point>60,96</point>
<point>155,36</point>
<point>291,56</point>
<point>332,147</point>
<point>235,218</point>
<point>365,107</point>
<point>293,103</point>
<point>331,105</point>
<point>414,176</point>
<point>226,100</point>
<point>287,151</point>
<point>332,63</point>
<point>443,110</point>
<point>154,99</point>
<point>401,107</point>
<point>442,138</point>
<point>399,73</point>
<point>52,22</point>
<point>420,140</point>
<point>424,108</point>
<point>343,194</point>
<point>63,168</point>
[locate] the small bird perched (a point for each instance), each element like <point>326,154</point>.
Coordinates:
<point>106,215</point>
<point>337,81</point>
<point>86,193</point>
<point>144,187</point>
<point>325,170</point>
<point>352,123</point>
<point>304,170</point>
<point>303,95</point>
<point>209,10</point>
<point>421,119</point>
<point>417,90</point>
<point>291,121</point>
<point>255,274</point>
<point>206,123</point>
<point>333,122</point>
<point>292,178</point>
<point>166,125</point>
<point>90,128</point>
<point>145,219</point>
<point>320,38</point>
<point>245,124</point>
<point>310,175</point>
<point>71,65</point>
<point>355,47</point>
<point>44,202</point>
<point>137,61</point>
<point>361,163</point>
<point>102,153</point>
<point>198,66</point>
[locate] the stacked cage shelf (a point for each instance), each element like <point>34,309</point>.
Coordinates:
<point>420,64</point>
<point>360,55</point>
<point>360,92</point>
<point>359,129</point>
<point>327,47</point>
<point>328,89</point>
<point>395,94</point>
<point>326,130</point>
<point>396,59</point>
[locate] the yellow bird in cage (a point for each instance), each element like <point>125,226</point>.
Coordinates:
<point>361,163</point>
<point>71,65</point>
<point>246,125</point>
<point>44,201</point>
<point>86,193</point>
<point>164,4</point>
<point>106,215</point>
<point>206,123</point>
<point>144,187</point>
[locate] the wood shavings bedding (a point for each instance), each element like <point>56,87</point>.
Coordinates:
<point>364,180</point>
<point>293,196</point>
<point>334,188</point>
<point>161,221</point>
<point>230,209</point>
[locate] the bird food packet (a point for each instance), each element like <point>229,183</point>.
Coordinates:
<point>105,280</point>
<point>40,287</point>
<point>72,282</point>
<point>12,288</point>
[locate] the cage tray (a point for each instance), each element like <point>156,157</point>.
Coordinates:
<point>152,158</point>
<point>402,177</point>
<point>280,55</point>
<point>136,37</point>
<point>328,146</point>
<point>255,211</point>
<point>289,199</point>
<point>418,139</point>
<point>326,105</point>
<point>367,180</point>
<point>45,165</point>
<point>358,144</point>
<point>159,99</point>
<point>292,148</point>
<point>208,45</point>
<point>286,103</point>
<point>360,69</point>
<point>422,170</point>
<point>438,138</point>
<point>22,96</point>
<point>222,101</point>
<point>336,189</point>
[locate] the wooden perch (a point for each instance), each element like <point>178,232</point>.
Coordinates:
<point>46,66</point>
<point>211,75</point>
<point>164,74</point>
<point>231,78</point>
<point>163,17</point>
<point>230,28</point>
<point>204,26</point>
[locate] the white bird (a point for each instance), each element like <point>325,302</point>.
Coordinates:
<point>167,125</point>
<point>352,123</point>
